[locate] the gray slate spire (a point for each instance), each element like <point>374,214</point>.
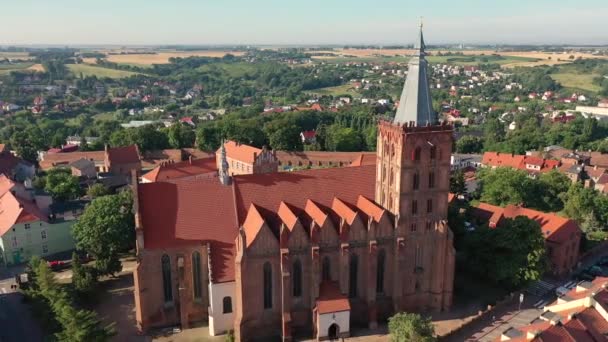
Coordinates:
<point>415,103</point>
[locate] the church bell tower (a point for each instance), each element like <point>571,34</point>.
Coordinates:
<point>412,182</point>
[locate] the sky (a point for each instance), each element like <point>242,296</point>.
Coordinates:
<point>302,22</point>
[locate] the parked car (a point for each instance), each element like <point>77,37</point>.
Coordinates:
<point>56,265</point>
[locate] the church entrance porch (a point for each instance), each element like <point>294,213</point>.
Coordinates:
<point>332,313</point>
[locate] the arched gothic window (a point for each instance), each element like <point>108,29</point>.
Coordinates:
<point>166,270</point>
<point>267,286</point>
<point>196,275</point>
<point>297,278</point>
<point>352,276</point>
<point>380,271</point>
<point>326,269</point>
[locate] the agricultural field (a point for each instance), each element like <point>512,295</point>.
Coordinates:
<point>163,57</point>
<point>15,55</point>
<point>576,80</point>
<point>91,70</point>
<point>7,68</point>
<point>346,89</point>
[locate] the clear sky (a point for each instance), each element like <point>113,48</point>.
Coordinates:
<point>127,22</point>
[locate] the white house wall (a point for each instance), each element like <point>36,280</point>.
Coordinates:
<point>220,323</point>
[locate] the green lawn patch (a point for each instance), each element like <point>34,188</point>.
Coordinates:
<point>91,70</point>
<point>576,80</point>
<point>346,89</point>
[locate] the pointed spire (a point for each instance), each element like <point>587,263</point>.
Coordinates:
<point>223,169</point>
<point>415,104</point>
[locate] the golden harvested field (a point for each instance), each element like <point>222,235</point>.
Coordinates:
<point>15,55</point>
<point>163,57</point>
<point>36,67</point>
<point>365,52</point>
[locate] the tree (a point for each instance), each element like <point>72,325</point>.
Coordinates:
<point>106,228</point>
<point>286,138</point>
<point>503,186</point>
<point>411,327</point>
<point>97,190</point>
<point>469,144</point>
<point>208,138</point>
<point>61,184</point>
<point>343,139</point>
<point>181,136</point>
<point>590,223</point>
<point>84,278</point>
<point>510,255</point>
<point>579,201</point>
<point>553,185</point>
<point>458,185</point>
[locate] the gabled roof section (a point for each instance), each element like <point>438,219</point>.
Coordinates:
<point>317,214</point>
<point>343,211</point>
<point>253,224</point>
<point>415,104</point>
<point>15,210</point>
<point>287,216</point>
<point>370,208</point>
<point>241,152</point>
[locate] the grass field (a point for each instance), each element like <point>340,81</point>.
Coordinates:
<point>575,80</point>
<point>90,70</point>
<point>5,69</point>
<point>163,57</point>
<point>15,55</point>
<point>336,91</point>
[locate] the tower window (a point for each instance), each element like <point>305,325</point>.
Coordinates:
<point>414,207</point>
<point>433,152</point>
<point>416,181</point>
<point>413,227</point>
<point>416,155</point>
<point>429,225</point>
<point>431,180</point>
<point>429,205</point>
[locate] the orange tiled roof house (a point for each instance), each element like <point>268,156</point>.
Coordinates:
<point>276,254</point>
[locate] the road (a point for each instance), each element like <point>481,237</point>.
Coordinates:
<point>16,321</point>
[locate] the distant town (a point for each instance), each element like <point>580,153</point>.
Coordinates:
<point>404,193</point>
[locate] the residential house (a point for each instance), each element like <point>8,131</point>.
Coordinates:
<point>533,165</point>
<point>205,168</point>
<point>76,140</point>
<point>594,174</point>
<point>579,315</point>
<point>562,235</point>
<point>244,159</point>
<point>122,160</point>
<point>15,167</point>
<point>26,230</point>
<point>308,137</point>
<point>84,168</point>
<point>465,161</point>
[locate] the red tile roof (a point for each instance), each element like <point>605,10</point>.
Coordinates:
<point>503,159</point>
<point>365,159</point>
<point>188,168</point>
<point>309,134</point>
<point>8,162</point>
<point>59,159</point>
<point>14,209</point>
<point>171,213</point>
<point>555,228</point>
<point>124,155</point>
<point>241,152</point>
<point>331,299</point>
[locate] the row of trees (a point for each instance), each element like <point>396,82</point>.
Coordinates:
<point>52,303</point>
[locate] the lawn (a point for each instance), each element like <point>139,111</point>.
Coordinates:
<point>91,70</point>
<point>575,80</point>
<point>346,89</point>
<point>7,68</point>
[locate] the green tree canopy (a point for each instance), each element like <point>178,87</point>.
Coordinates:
<point>62,186</point>
<point>106,228</point>
<point>410,327</point>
